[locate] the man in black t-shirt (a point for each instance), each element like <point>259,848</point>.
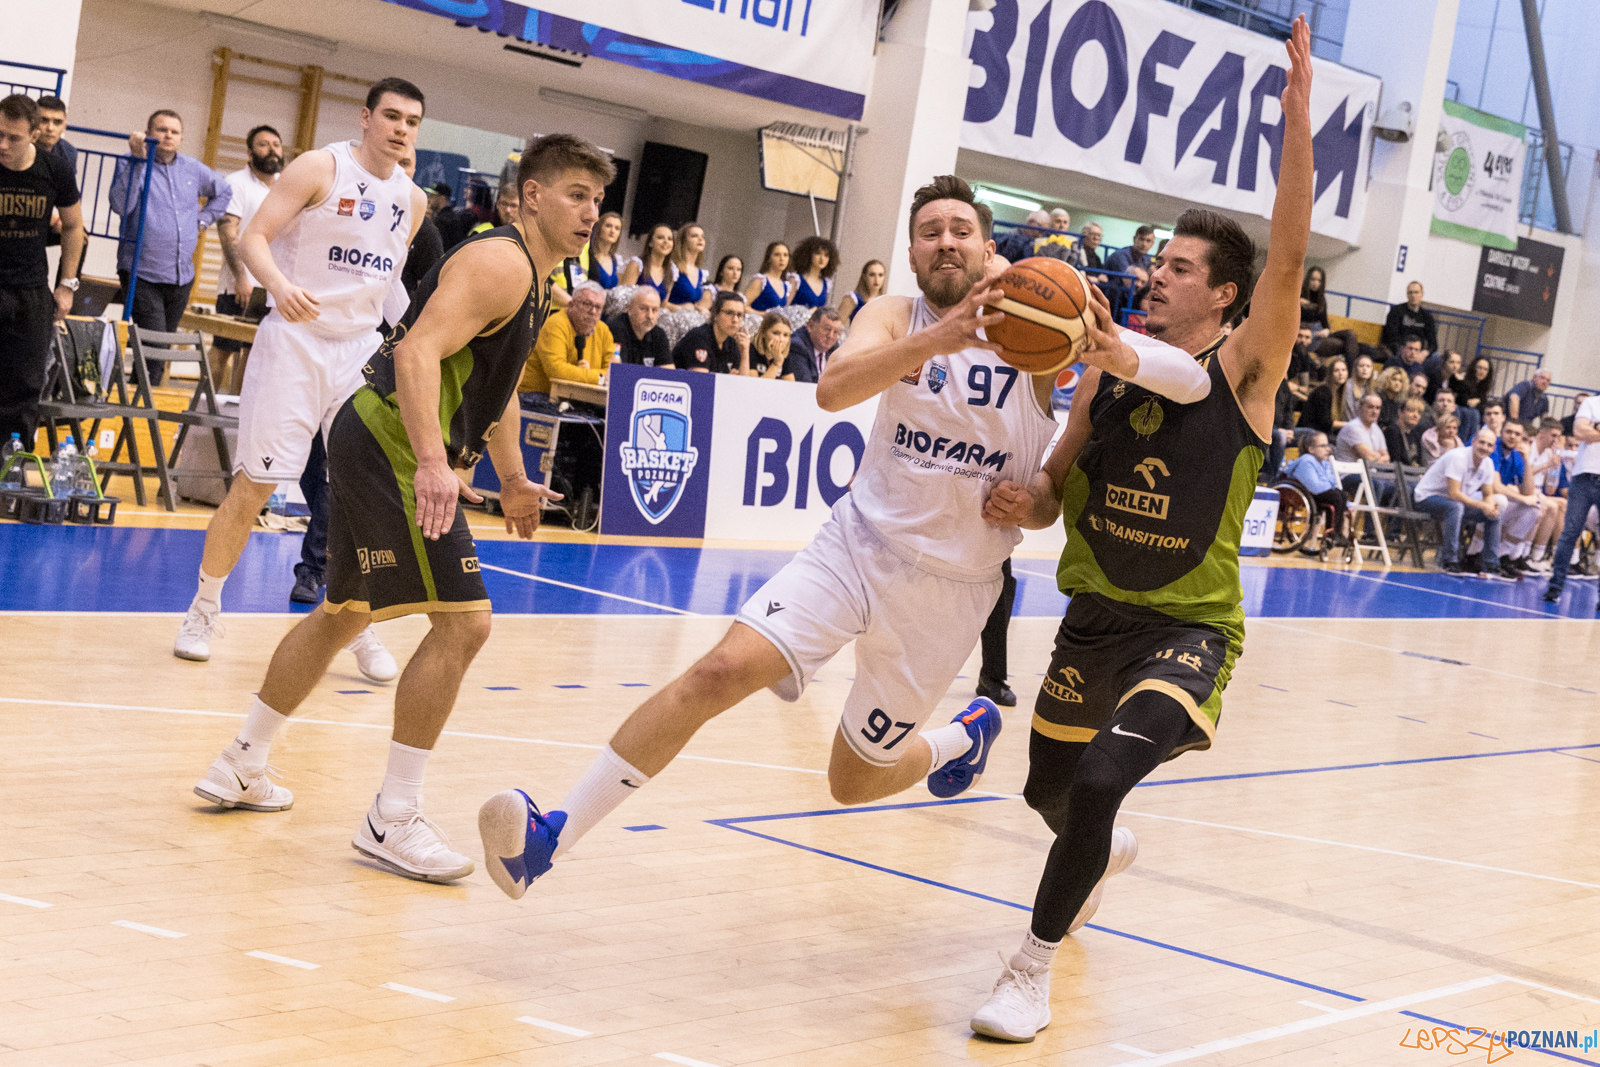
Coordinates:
<point>1411,319</point>
<point>643,343</point>
<point>33,184</point>
<point>720,346</point>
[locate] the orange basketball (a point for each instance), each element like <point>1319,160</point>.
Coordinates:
<point>1047,315</point>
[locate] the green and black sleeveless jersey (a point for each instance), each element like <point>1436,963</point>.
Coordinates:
<point>475,383</point>
<point>1155,505</point>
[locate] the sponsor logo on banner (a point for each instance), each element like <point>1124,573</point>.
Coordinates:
<point>1158,98</point>
<point>1477,176</point>
<point>658,457</point>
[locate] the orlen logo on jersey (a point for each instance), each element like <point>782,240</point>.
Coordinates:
<point>354,257</point>
<point>946,449</point>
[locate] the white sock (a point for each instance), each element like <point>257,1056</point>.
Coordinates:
<point>607,783</point>
<point>1038,954</point>
<point>402,782</point>
<point>261,725</point>
<point>947,742</point>
<point>210,588</point>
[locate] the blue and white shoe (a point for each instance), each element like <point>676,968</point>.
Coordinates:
<point>982,720</point>
<point>518,841</point>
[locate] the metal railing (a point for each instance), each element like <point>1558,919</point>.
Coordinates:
<point>96,167</point>
<point>1459,331</point>
<point>30,79</point>
<point>1512,366</point>
<point>1273,18</point>
<point>1564,398</point>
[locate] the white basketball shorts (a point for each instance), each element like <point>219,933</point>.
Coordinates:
<point>913,628</point>
<point>1517,520</point>
<point>294,384</point>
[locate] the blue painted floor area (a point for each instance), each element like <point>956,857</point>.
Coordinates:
<point>76,568</point>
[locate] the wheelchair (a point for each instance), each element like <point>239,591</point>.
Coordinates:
<point>1299,516</point>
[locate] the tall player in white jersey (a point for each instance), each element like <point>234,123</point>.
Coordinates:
<point>906,566</point>
<point>325,243</point>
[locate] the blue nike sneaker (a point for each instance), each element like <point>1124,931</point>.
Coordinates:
<point>982,720</point>
<point>518,841</point>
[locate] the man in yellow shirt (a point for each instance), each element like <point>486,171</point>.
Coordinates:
<point>574,346</point>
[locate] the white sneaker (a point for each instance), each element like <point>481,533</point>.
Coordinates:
<point>1541,565</point>
<point>1123,850</point>
<point>412,844</point>
<point>373,659</point>
<point>199,627</point>
<point>1020,1005</point>
<point>229,785</point>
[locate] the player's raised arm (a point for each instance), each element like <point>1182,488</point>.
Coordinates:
<point>1257,353</point>
<point>302,183</point>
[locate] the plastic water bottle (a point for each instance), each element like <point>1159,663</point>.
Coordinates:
<point>84,482</point>
<point>63,467</point>
<point>13,447</point>
<point>278,503</point>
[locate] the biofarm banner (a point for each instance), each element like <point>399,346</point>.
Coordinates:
<point>1147,94</point>
<point>1477,176</point>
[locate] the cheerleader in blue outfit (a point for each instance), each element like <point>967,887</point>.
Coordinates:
<point>729,272</point>
<point>871,285</point>
<point>815,260</point>
<point>691,289</point>
<point>771,287</point>
<point>654,265</point>
<point>604,264</point>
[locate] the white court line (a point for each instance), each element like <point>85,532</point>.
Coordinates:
<point>1127,1048</point>
<point>585,589</point>
<point>423,993</point>
<point>1551,989</point>
<point>673,1057</point>
<point>1455,596</point>
<point>24,901</point>
<point>1316,1022</point>
<point>285,960</point>
<point>1319,1007</point>
<point>545,1024</point>
<point>143,929</point>
<point>1365,848</point>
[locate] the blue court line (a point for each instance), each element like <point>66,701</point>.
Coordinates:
<point>1340,703</point>
<point>1518,1048</point>
<point>1475,733</point>
<point>500,688</point>
<point>1562,752</point>
<point>651,826</point>
<point>1436,659</point>
<point>1410,719</point>
<point>1363,766</point>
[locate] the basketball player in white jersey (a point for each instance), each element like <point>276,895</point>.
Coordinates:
<point>325,243</point>
<point>906,566</point>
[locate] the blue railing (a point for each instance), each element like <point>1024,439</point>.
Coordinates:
<point>1512,366</point>
<point>30,79</point>
<point>1459,331</point>
<point>96,167</point>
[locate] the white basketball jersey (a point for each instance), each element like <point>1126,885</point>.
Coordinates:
<point>941,441</point>
<point>344,249</point>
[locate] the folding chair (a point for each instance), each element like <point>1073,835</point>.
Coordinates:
<point>1364,504</point>
<point>203,412</point>
<point>1405,510</point>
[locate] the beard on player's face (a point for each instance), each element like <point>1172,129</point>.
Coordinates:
<point>943,286</point>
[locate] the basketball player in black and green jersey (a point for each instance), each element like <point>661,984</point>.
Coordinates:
<point>1154,496</point>
<point>398,542</point>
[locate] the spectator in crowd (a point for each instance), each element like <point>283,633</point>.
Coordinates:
<point>1419,389</point>
<point>642,341</point>
<point>1313,471</point>
<point>1447,369</point>
<point>1439,407</point>
<point>1282,427</point>
<point>721,346</point>
<point>815,261</point>
<point>53,131</point>
<point>653,265</point>
<point>1362,437</point>
<point>1059,244</point>
<point>1440,438</point>
<point>1526,402</point>
<point>1567,422</point>
<point>1135,259</point>
<point>1314,303</point>
<point>455,222</point>
<point>1302,367</point>
<point>1326,401</point>
<point>770,349</point>
<point>178,183</point>
<point>1583,493</point>
<point>1410,358</point>
<point>605,264</point>
<point>1411,319</point>
<point>250,185</point>
<point>1458,490</point>
<point>730,271</point>
<point>1392,386</point>
<point>1523,509</point>
<point>810,348</point>
<point>1018,244</point>
<point>691,282</point>
<point>427,247</point>
<point>873,283</point>
<point>33,184</point>
<point>773,285</point>
<point>1089,249</point>
<point>1404,436</point>
<point>439,196</point>
<point>1550,476</point>
<point>573,346</point>
<point>1363,383</point>
<point>1494,415</point>
<point>1061,219</point>
<point>506,200</point>
<point>1476,386</point>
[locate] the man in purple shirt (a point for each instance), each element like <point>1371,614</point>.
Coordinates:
<point>177,184</point>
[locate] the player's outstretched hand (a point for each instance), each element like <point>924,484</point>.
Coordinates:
<point>437,488</point>
<point>1296,97</point>
<point>296,305</point>
<point>521,501</point>
<point>959,328</point>
<point>1009,504</point>
<point>1104,347</point>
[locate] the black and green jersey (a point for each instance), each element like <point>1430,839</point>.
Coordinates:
<point>475,383</point>
<point>1155,505</point>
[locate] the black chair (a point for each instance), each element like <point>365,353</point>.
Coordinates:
<point>152,347</point>
<point>1403,508</point>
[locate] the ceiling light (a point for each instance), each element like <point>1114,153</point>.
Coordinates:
<point>589,103</point>
<point>994,196</point>
<point>261,29</point>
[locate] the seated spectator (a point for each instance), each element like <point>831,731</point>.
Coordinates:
<point>1458,490</point>
<point>1313,471</point>
<point>772,286</point>
<point>1363,383</point>
<point>1314,303</point>
<point>815,261</point>
<point>1302,366</point>
<point>643,343</point>
<point>1550,476</point>
<point>1419,389</point>
<point>1392,386</point>
<point>1061,219</point>
<point>1411,358</point>
<point>653,265</point>
<point>605,264</point>
<point>873,283</point>
<point>1404,435</point>
<point>1059,244</point>
<point>1526,401</point>
<point>730,271</point>
<point>1362,439</point>
<point>691,289</point>
<point>1522,507</point>
<point>1018,244</point>
<point>1089,249</point>
<point>573,346</point>
<point>1324,400</point>
<point>1411,319</point>
<point>810,348</point>
<point>1494,415</point>
<point>1444,403</point>
<point>1447,369</point>
<point>1568,421</point>
<point>721,346</point>
<point>1440,438</point>
<point>770,349</point>
<point>439,196</point>
<point>1135,259</point>
<point>1476,386</point>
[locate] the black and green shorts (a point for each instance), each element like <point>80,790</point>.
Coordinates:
<point>378,560</point>
<point>1107,651</point>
